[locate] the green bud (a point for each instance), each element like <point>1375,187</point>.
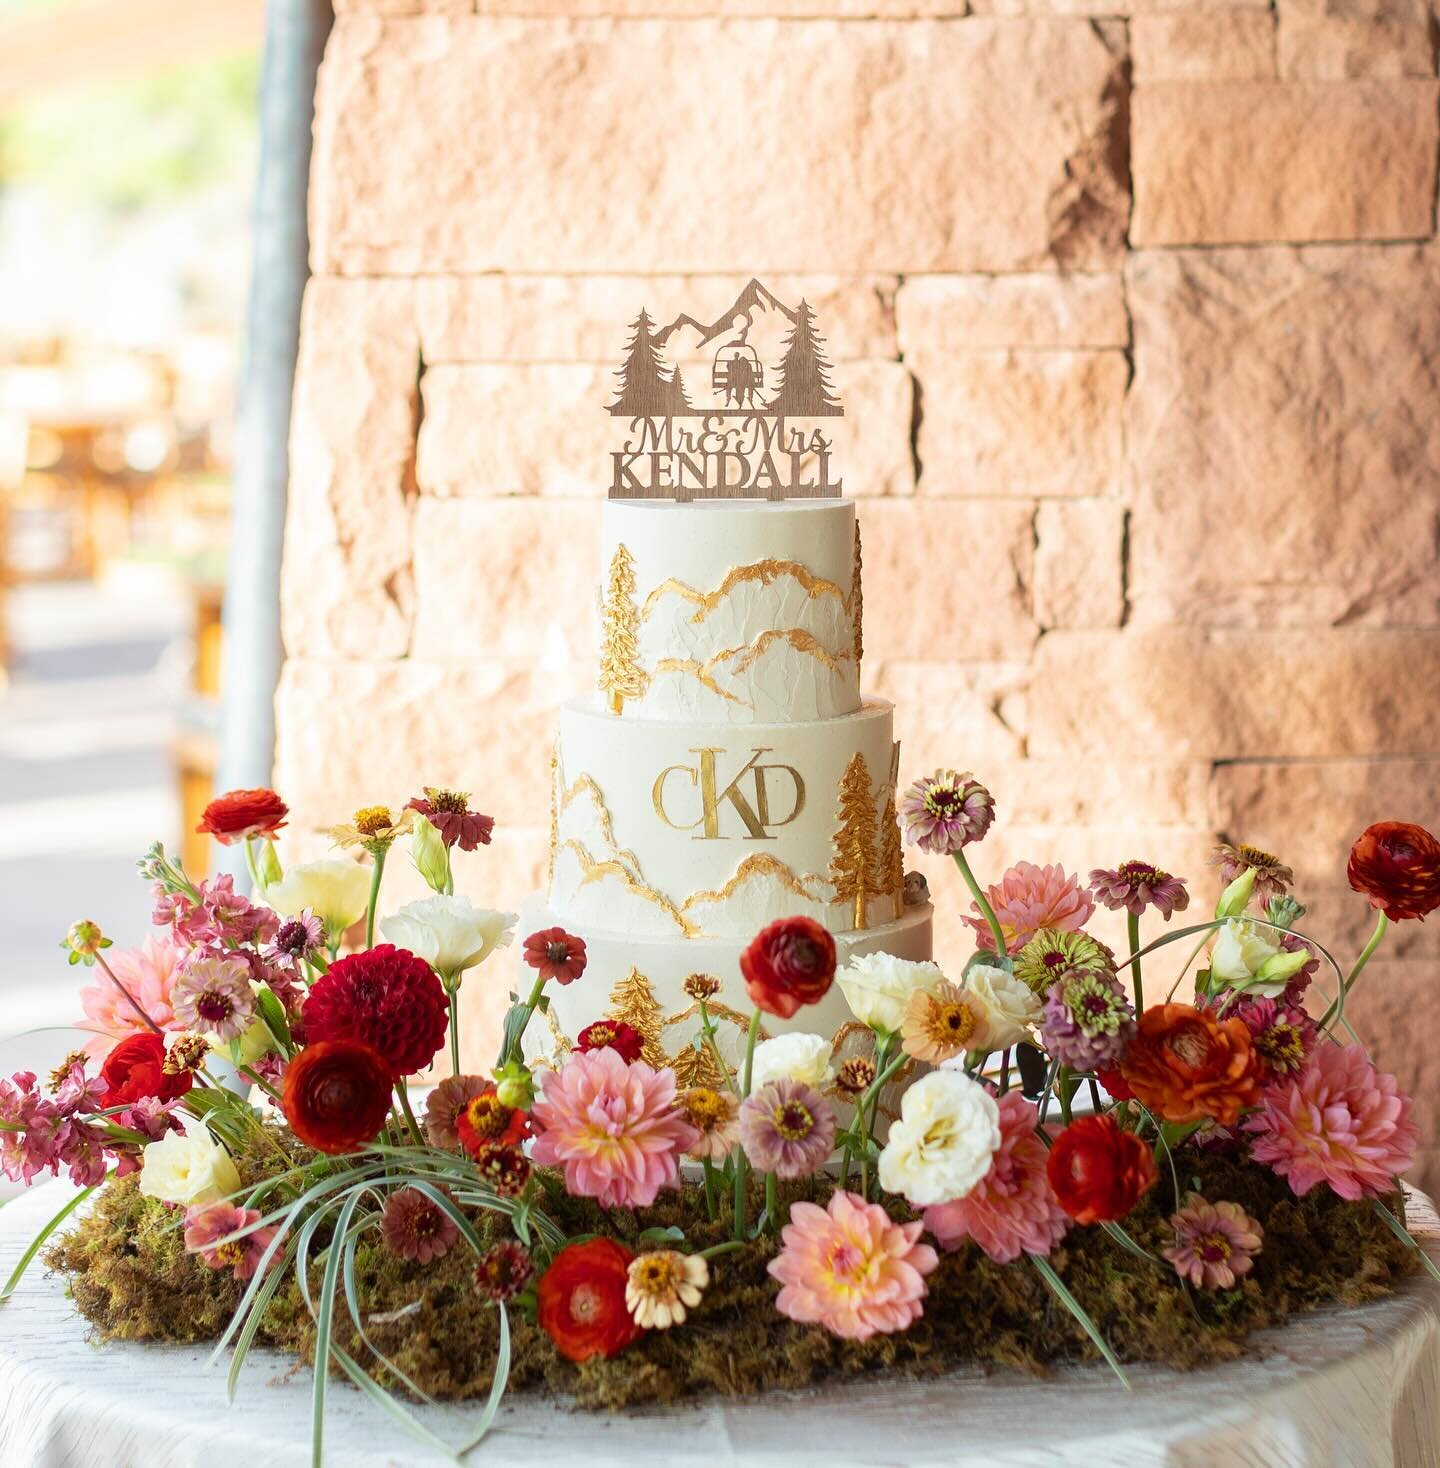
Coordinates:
<point>1282,966</point>
<point>1284,912</point>
<point>429,852</point>
<point>1236,897</point>
<point>267,865</point>
<point>514,1085</point>
<point>84,940</point>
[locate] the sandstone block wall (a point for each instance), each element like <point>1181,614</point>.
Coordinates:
<point>1133,304</point>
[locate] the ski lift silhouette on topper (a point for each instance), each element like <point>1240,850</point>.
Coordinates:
<point>743,440</point>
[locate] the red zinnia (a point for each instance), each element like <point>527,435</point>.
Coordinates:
<point>1397,866</point>
<point>387,997</point>
<point>240,814</point>
<point>1098,1170</point>
<point>581,1300</point>
<point>135,1069</point>
<point>485,1121</point>
<point>790,963</point>
<point>337,1095</point>
<point>616,1034</point>
<point>558,955</point>
<point>449,812</point>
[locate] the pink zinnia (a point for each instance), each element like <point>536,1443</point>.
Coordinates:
<point>148,973</point>
<point>1284,1033</point>
<point>946,811</point>
<point>1012,1210</point>
<point>851,1268</point>
<point>1029,898</point>
<point>1339,1121</point>
<point>1215,1243</point>
<point>1136,885</point>
<point>614,1128</point>
<point>787,1128</point>
<point>207,1224</point>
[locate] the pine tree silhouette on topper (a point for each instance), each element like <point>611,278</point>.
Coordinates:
<point>677,399</point>
<point>645,391</point>
<point>805,390</point>
<point>854,868</point>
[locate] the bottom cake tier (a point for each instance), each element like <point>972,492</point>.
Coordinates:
<point>641,980</point>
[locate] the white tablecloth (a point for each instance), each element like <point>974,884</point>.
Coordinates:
<point>1338,1389</point>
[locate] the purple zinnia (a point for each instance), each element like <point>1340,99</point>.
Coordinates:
<point>1215,1243</point>
<point>1088,1022</point>
<point>213,994</point>
<point>1284,1034</point>
<point>1136,885</point>
<point>946,811</point>
<point>297,939</point>
<point>787,1128</point>
<point>415,1227</point>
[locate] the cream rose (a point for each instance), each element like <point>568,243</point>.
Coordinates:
<point>449,933</point>
<point>1245,957</point>
<point>187,1167</point>
<point>1011,1006</point>
<point>948,1131</point>
<point>336,890</point>
<point>877,987</point>
<point>794,1057</point>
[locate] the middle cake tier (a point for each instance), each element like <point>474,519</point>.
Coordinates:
<point>668,829</point>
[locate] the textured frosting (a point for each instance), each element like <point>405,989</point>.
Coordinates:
<point>729,611</point>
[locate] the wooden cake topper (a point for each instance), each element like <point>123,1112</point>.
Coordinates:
<point>735,438</point>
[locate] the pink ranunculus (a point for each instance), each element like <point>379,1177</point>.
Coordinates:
<point>148,973</point>
<point>851,1268</point>
<point>1029,898</point>
<point>615,1128</point>
<point>1339,1121</point>
<point>1012,1210</point>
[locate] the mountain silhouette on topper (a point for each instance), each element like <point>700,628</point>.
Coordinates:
<point>755,297</point>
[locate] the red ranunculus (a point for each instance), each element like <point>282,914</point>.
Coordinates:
<point>559,956</point>
<point>239,814</point>
<point>337,1095</point>
<point>1098,1170</point>
<point>791,962</point>
<point>581,1300</point>
<point>1397,866</point>
<point>135,1069</point>
<point>616,1034</point>
<point>385,996</point>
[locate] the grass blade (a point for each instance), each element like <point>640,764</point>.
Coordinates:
<point>497,1385</point>
<point>1062,1293</point>
<point>1406,1237</point>
<point>38,1242</point>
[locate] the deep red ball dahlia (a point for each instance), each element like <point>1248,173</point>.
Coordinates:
<point>1397,866</point>
<point>337,1095</point>
<point>790,963</point>
<point>239,814</point>
<point>387,997</point>
<point>135,1069</point>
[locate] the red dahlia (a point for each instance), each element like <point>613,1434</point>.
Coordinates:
<point>559,956</point>
<point>387,997</point>
<point>790,963</point>
<point>1397,866</point>
<point>581,1300</point>
<point>615,1034</point>
<point>135,1069</point>
<point>1099,1171</point>
<point>337,1095</point>
<point>240,814</point>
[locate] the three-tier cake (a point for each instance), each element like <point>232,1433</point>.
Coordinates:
<point>728,770</point>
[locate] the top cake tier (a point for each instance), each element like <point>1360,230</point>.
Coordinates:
<point>725,611</point>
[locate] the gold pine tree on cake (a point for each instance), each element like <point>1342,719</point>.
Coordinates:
<point>633,1001</point>
<point>892,855</point>
<point>697,1068</point>
<point>857,601</point>
<point>621,675</point>
<point>853,867</point>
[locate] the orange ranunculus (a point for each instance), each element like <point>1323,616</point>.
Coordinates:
<point>581,1300</point>
<point>1397,866</point>
<point>1184,1064</point>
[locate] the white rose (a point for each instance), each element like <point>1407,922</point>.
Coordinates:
<point>336,890</point>
<point>794,1057</point>
<point>186,1167</point>
<point>1244,957</point>
<point>877,987</point>
<point>948,1131</point>
<point>1011,1006</point>
<point>449,933</point>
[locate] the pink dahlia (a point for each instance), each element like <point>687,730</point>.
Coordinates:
<point>1012,1210</point>
<point>851,1268</point>
<point>1339,1121</point>
<point>615,1128</point>
<point>1215,1243</point>
<point>206,1225</point>
<point>1136,885</point>
<point>148,973</point>
<point>1029,898</point>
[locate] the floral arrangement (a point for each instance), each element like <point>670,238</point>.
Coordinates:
<point>245,1101</point>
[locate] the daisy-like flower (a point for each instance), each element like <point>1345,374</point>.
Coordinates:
<point>1088,1021</point>
<point>941,1025</point>
<point>449,812</point>
<point>611,1034</point>
<point>375,827</point>
<point>506,1168</point>
<point>1272,877</point>
<point>1215,1243</point>
<point>1284,1034</point>
<point>661,1286</point>
<point>213,994</point>
<point>556,955</point>
<point>855,1077</point>
<point>207,1224</point>
<point>701,987</point>
<point>504,1270</point>
<point>851,1268</point>
<point>1136,885</point>
<point>416,1227</point>
<point>715,1115</point>
<point>445,1103</point>
<point>1052,952</point>
<point>946,811</point>
<point>787,1128</point>
<point>1028,898</point>
<point>485,1121</point>
<point>296,939</point>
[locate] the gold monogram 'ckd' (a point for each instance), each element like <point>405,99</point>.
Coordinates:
<point>758,817</point>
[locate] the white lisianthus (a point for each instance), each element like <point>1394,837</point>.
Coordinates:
<point>1011,1006</point>
<point>794,1057</point>
<point>251,1045</point>
<point>878,986</point>
<point>187,1167</point>
<point>336,890</point>
<point>1245,957</point>
<point>449,933</point>
<point>942,1145</point>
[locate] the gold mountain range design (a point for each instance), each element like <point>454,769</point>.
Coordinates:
<point>763,572</point>
<point>594,871</point>
<point>760,864</point>
<point>796,637</point>
<point>700,672</point>
<point>585,785</point>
